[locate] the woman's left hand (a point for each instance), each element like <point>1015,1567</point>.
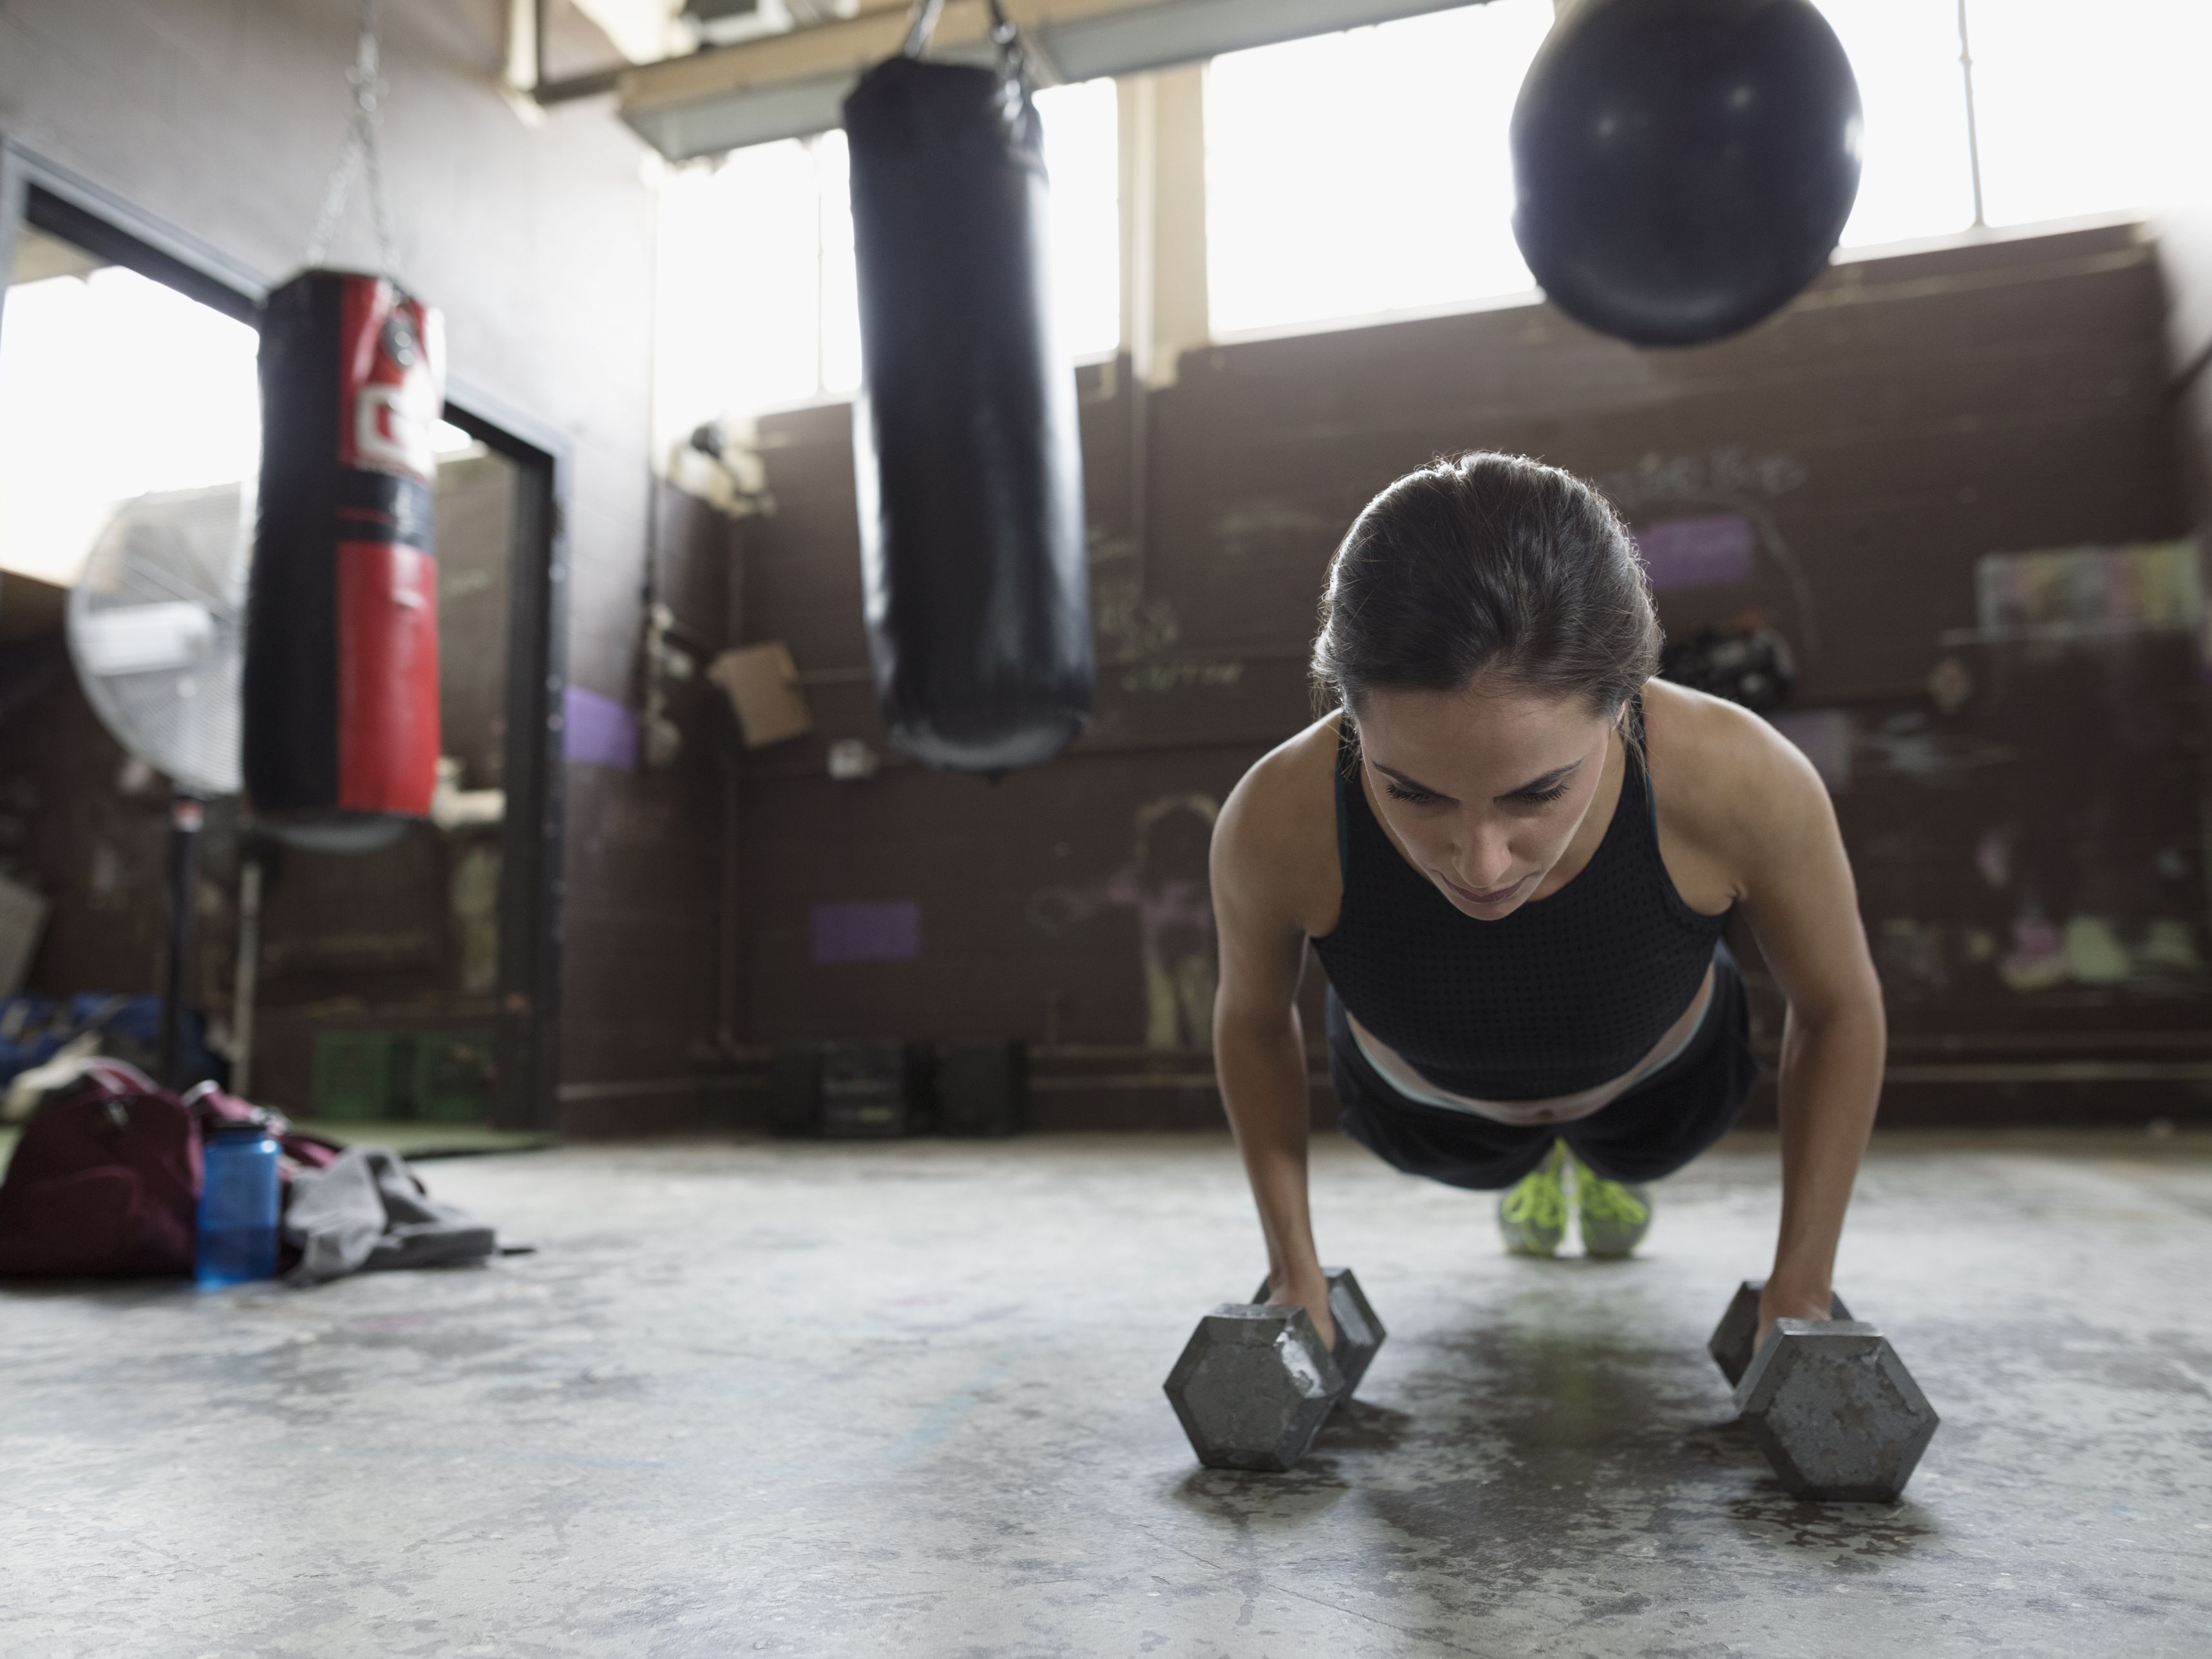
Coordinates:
<point>1783,1303</point>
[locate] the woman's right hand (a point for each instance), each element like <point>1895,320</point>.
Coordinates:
<point>1310,1290</point>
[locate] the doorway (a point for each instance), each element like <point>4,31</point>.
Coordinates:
<point>420,979</point>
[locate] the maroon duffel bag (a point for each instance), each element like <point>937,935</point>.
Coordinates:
<point>106,1180</point>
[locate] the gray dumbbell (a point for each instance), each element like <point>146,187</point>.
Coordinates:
<point>1731,1346</point>
<point>1254,1384</point>
<point>1359,1333</point>
<point>1827,1400</point>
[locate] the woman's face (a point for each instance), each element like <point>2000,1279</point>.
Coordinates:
<point>1483,789</point>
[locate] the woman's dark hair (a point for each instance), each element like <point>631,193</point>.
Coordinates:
<point>1486,563</point>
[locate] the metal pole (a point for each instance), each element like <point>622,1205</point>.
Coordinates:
<point>244,987</point>
<point>1973,136</point>
<point>921,23</point>
<point>186,813</point>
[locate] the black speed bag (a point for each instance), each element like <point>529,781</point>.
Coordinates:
<point>969,468</point>
<point>1682,168</point>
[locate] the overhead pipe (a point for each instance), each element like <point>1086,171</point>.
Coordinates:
<point>795,84</point>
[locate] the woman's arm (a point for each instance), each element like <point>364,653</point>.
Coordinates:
<point>1259,1044</point>
<point>1802,906</point>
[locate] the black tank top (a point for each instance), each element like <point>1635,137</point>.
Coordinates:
<point>1567,992</point>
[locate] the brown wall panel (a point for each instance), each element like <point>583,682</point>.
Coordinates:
<point>1032,891</point>
<point>1905,418</point>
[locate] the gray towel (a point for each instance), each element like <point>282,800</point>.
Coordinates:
<point>368,1212</point>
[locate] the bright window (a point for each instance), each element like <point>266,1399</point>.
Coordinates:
<point>2078,110</point>
<point>1083,152</point>
<point>1368,171</point>
<point>112,385</point>
<point>2087,109</point>
<point>759,305</point>
<point>1914,179</point>
<point>740,322</point>
<point>1365,172</point>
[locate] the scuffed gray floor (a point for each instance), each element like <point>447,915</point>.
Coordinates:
<point>905,1400</point>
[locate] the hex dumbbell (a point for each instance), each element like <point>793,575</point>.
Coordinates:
<point>1254,1384</point>
<point>1827,1400</point>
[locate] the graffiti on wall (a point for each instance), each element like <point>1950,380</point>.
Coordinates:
<point>2037,833</point>
<point>1691,548</point>
<point>2147,585</point>
<point>1164,883</point>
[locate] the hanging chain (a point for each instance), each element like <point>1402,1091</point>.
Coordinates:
<point>1014,60</point>
<point>921,23</point>
<point>362,154</point>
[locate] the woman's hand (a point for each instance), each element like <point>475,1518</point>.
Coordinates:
<point>1309,1289</point>
<point>1778,1301</point>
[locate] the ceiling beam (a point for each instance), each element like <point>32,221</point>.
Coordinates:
<point>787,86</point>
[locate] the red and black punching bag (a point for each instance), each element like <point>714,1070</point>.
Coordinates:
<point>341,692</point>
<point>970,476</point>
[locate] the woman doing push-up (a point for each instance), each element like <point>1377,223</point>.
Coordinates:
<point>1514,852</point>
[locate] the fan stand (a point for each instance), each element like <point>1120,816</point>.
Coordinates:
<point>186,814</point>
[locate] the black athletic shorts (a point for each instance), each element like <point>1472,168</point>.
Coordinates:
<point>1653,1130</point>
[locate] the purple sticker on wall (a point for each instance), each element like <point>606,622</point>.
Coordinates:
<point>1704,552</point>
<point>887,931</point>
<point>597,730</point>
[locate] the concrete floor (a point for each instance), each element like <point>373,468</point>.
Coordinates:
<point>862,1399</point>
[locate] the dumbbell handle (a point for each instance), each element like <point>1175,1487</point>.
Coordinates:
<point>1259,1295</point>
<point>1836,1308</point>
<point>1736,1336</point>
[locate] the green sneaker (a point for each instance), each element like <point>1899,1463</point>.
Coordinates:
<point>1614,1215</point>
<point>1532,1214</point>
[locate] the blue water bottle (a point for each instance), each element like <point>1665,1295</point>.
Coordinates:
<point>237,1237</point>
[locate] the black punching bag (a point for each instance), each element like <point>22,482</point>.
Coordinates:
<point>341,685</point>
<point>1683,168</point>
<point>970,478</point>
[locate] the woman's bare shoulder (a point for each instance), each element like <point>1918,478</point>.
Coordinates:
<point>1720,776</point>
<point>1274,847</point>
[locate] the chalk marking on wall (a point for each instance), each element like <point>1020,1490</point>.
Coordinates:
<point>1736,479</point>
<point>1166,883</point>
<point>1251,526</point>
<point>1175,674</point>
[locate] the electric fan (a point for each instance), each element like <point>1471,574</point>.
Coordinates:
<point>157,630</point>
